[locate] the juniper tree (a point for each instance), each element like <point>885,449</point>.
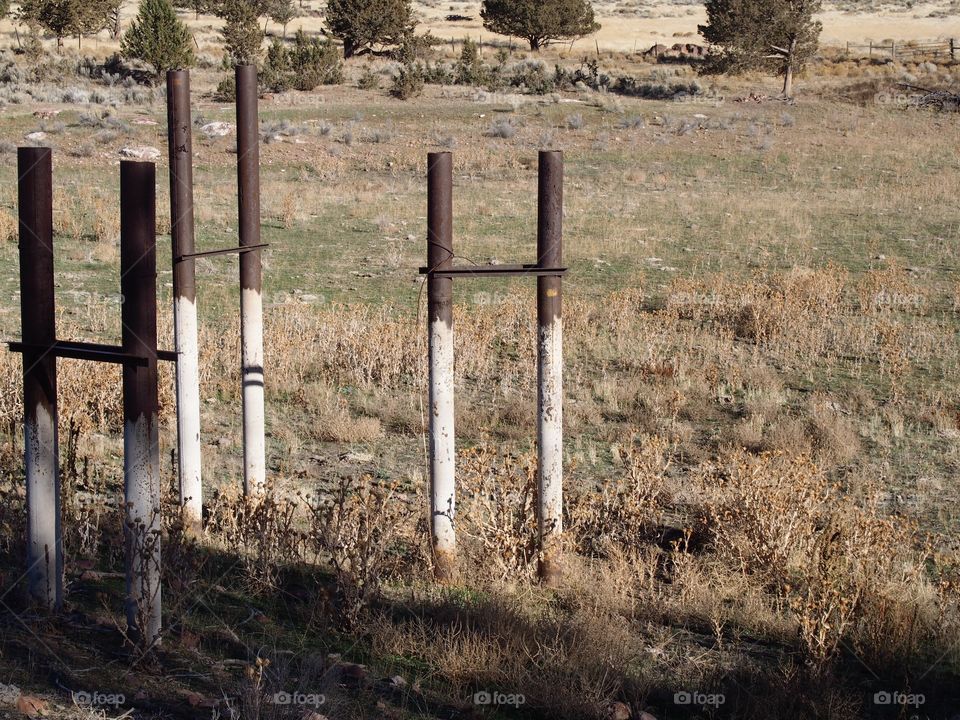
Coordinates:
<point>539,22</point>
<point>282,12</point>
<point>242,35</point>
<point>361,24</point>
<point>64,18</point>
<point>158,37</point>
<point>775,35</point>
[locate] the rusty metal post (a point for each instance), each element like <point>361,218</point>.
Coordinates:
<point>44,538</point>
<point>141,441</point>
<point>550,366</point>
<point>180,141</point>
<point>251,282</point>
<point>440,319</point>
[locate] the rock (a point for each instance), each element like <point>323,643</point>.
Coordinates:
<point>357,457</point>
<point>9,694</point>
<point>32,706</point>
<point>618,711</point>
<point>144,152</point>
<point>398,682</point>
<point>217,129</point>
<point>36,136</point>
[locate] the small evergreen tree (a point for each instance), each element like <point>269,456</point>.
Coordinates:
<point>361,24</point>
<point>158,37</point>
<point>242,35</point>
<point>470,68</point>
<point>64,18</point>
<point>539,22</point>
<point>4,8</point>
<point>282,12</point>
<point>775,35</point>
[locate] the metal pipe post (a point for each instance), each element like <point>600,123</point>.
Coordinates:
<point>141,441</point>
<point>550,366</point>
<point>180,141</point>
<point>44,538</point>
<point>440,319</point>
<point>251,282</point>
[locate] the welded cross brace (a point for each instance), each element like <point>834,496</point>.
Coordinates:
<point>223,251</point>
<point>90,351</point>
<point>440,273</point>
<point>496,271</point>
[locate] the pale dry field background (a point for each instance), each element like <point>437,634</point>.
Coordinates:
<point>762,372</point>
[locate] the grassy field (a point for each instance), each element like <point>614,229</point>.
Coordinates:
<point>761,413</point>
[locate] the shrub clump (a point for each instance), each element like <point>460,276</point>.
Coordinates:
<point>303,66</point>
<point>408,82</point>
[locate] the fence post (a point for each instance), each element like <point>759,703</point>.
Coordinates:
<point>141,441</point>
<point>251,282</point>
<point>180,141</point>
<point>44,536</point>
<point>550,366</point>
<point>440,319</point>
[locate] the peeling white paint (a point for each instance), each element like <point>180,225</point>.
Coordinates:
<point>442,440</point>
<point>188,411</point>
<point>550,432</point>
<point>44,551</point>
<point>141,469</point>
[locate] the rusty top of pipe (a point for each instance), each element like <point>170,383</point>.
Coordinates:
<point>180,145</point>
<point>248,175</point>
<point>440,235</point>
<point>549,234</point>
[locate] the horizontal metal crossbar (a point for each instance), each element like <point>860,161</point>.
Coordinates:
<point>223,251</point>
<point>495,271</point>
<point>91,351</point>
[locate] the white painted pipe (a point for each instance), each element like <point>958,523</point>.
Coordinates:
<point>442,447</point>
<point>44,552</point>
<point>254,429</point>
<point>188,411</point>
<point>141,467</point>
<point>550,444</point>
